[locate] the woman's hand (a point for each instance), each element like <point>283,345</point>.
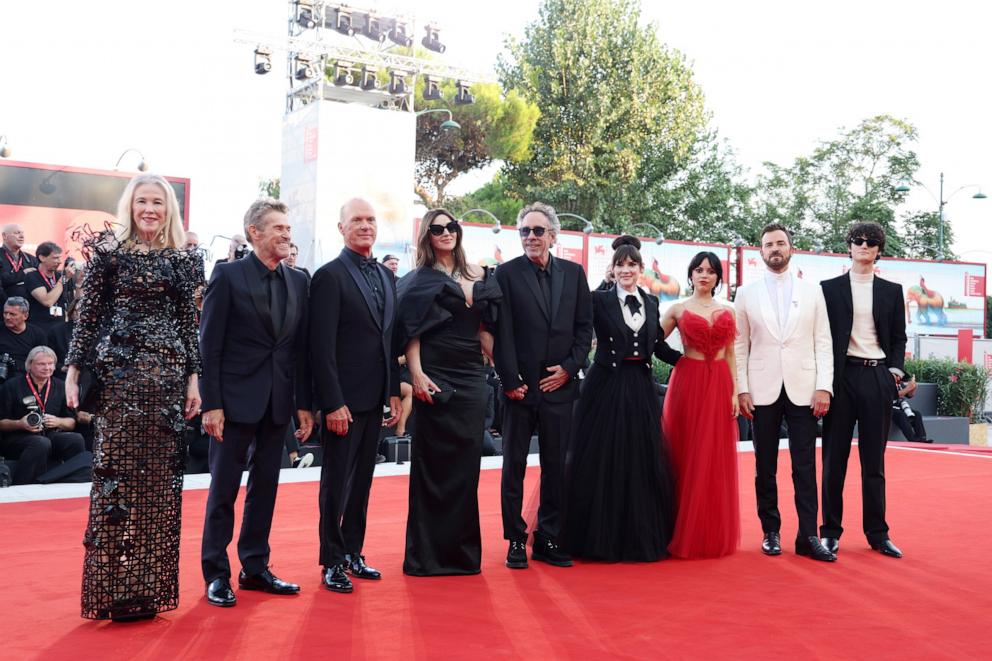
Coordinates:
<point>735,406</point>
<point>72,387</point>
<point>192,408</point>
<point>423,387</point>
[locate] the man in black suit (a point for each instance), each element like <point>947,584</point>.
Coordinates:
<point>543,339</point>
<point>253,338</point>
<point>353,306</point>
<point>868,329</point>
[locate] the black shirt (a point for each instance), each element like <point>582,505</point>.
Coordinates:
<point>274,281</point>
<point>40,314</point>
<point>12,271</point>
<point>15,390</point>
<point>369,268</point>
<point>19,344</point>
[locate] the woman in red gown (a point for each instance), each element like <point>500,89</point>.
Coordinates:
<point>700,418</point>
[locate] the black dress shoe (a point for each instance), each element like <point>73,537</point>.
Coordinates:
<point>516,557</point>
<point>547,551</point>
<point>219,593</point>
<point>886,547</point>
<point>832,544</point>
<point>811,547</point>
<point>771,544</point>
<point>358,568</point>
<point>336,580</point>
<point>266,582</point>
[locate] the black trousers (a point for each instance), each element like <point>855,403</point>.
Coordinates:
<point>802,450</point>
<point>912,428</point>
<point>553,422</point>
<point>345,481</point>
<point>257,447</point>
<point>864,397</point>
<point>32,452</point>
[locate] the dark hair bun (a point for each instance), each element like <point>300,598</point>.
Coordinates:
<point>626,240</point>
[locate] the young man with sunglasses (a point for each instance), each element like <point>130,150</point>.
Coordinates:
<point>543,339</point>
<point>868,327</point>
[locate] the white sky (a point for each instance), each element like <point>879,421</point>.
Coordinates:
<point>80,82</point>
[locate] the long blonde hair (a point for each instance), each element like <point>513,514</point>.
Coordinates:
<point>172,235</point>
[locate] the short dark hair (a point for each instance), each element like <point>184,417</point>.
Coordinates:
<point>715,263</point>
<point>47,248</point>
<point>774,227</point>
<point>627,247</point>
<point>389,257</point>
<point>867,230</point>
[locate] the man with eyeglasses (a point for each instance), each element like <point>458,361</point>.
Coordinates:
<point>868,328</point>
<point>543,339</point>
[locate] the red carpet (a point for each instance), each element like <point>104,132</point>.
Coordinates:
<point>932,604</point>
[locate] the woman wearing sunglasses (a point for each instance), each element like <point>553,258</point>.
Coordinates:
<point>446,307</point>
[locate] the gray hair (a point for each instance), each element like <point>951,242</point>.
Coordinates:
<point>548,211</point>
<point>33,354</point>
<point>17,302</point>
<point>258,210</point>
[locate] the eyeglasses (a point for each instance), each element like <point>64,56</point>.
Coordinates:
<point>538,231</point>
<point>453,228</point>
<point>860,241</point>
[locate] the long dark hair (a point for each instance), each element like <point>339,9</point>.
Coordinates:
<point>715,264</point>
<point>425,252</point>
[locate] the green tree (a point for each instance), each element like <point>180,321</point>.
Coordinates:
<point>617,108</point>
<point>498,126</point>
<point>921,235</point>
<point>269,187</point>
<point>493,197</point>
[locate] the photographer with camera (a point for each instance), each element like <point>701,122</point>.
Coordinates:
<point>15,264</point>
<point>50,289</point>
<point>239,249</point>
<point>17,337</point>
<point>37,425</point>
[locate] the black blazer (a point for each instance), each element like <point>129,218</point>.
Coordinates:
<point>350,345</point>
<point>530,337</point>
<point>888,309</point>
<point>612,331</point>
<point>245,365</point>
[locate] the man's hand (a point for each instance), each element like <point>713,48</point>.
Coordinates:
<point>26,427</point>
<point>555,380</point>
<point>821,403</point>
<point>746,405</point>
<point>517,393</point>
<point>337,421</point>
<point>49,421</point>
<point>306,425</point>
<point>213,423</point>
<point>394,412</point>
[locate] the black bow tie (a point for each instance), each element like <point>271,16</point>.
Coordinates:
<point>632,303</point>
<point>367,263</point>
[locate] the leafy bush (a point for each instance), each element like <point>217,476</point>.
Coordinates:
<point>662,371</point>
<point>961,387</point>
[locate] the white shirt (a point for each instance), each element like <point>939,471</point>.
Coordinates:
<point>633,320</point>
<point>864,336</point>
<point>779,287</point>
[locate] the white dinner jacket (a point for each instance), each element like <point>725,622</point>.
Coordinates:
<point>801,357</point>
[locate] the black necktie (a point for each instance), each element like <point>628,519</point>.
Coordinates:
<point>632,303</point>
<point>277,300</point>
<point>544,278</point>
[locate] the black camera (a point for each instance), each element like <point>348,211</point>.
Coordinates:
<point>33,418</point>
<point>6,366</point>
<point>242,251</point>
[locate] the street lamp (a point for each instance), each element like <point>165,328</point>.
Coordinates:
<point>447,125</point>
<point>659,235</point>
<point>4,150</point>
<point>588,224</point>
<point>941,202</point>
<point>142,166</point>
<point>496,228</point>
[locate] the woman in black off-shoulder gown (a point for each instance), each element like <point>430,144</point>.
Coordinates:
<point>442,320</point>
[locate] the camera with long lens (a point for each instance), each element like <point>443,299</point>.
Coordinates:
<point>6,366</point>
<point>242,251</point>
<point>33,418</point>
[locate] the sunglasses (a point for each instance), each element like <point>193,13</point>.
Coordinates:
<point>860,241</point>
<point>437,230</point>
<point>538,231</point>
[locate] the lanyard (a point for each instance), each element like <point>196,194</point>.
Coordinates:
<point>51,285</point>
<point>37,396</point>
<point>17,265</point>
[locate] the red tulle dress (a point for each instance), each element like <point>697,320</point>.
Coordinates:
<point>702,435</point>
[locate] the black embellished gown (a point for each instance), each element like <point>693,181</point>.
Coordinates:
<point>442,527</point>
<point>137,332</point>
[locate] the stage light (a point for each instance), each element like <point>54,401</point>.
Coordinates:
<point>399,36</point>
<point>372,29</point>
<point>370,79</point>
<point>342,22</point>
<point>343,74</point>
<point>432,88</point>
<point>430,40</point>
<point>397,82</point>
<point>462,95</point>
<point>263,60</point>
<point>303,67</point>
<point>5,150</point>
<point>306,14</point>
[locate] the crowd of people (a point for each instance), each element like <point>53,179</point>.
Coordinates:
<point>266,353</point>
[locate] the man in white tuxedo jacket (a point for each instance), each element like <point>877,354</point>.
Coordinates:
<point>784,371</point>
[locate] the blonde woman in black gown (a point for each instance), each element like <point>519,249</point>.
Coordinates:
<point>137,332</point>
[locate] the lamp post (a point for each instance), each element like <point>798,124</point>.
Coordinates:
<point>659,235</point>
<point>588,224</point>
<point>496,228</point>
<point>142,166</point>
<point>941,203</point>
<point>447,125</point>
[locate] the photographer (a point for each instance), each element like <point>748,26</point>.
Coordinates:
<point>907,419</point>
<point>14,262</point>
<point>50,289</point>
<point>35,421</point>
<point>17,337</point>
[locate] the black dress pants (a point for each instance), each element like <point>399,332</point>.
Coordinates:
<point>258,447</point>
<point>32,452</point>
<point>912,428</point>
<point>345,481</point>
<point>553,422</point>
<point>864,397</point>
<point>801,424</point>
